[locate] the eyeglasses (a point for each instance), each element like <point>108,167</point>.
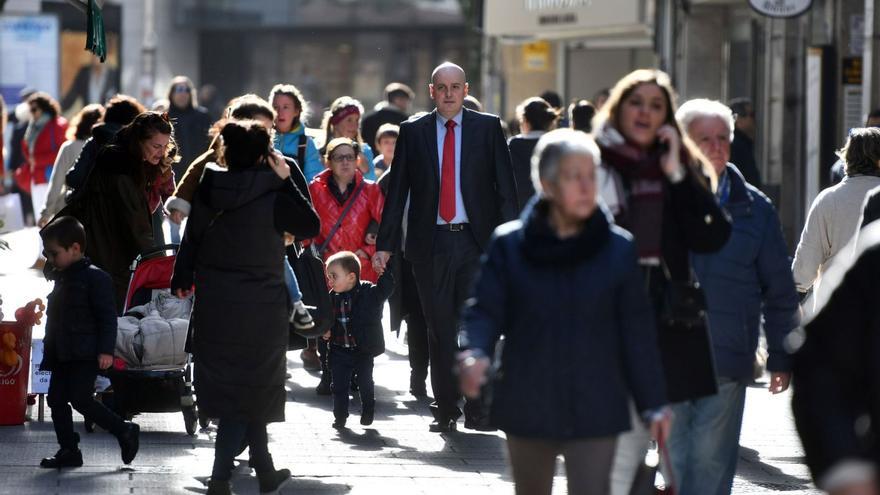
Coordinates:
<point>181,89</point>
<point>343,158</point>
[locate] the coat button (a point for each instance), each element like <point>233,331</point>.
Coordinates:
<point>708,219</point>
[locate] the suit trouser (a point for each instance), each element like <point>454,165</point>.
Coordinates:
<point>444,283</point>
<point>416,326</point>
<point>73,384</point>
<point>587,464</point>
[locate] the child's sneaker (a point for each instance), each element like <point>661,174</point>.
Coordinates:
<point>301,317</point>
<point>63,458</point>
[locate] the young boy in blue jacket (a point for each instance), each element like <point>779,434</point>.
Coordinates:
<point>356,336</point>
<point>80,339</point>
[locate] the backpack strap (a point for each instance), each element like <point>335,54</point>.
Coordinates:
<point>301,151</point>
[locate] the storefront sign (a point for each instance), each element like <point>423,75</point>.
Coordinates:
<point>536,56</point>
<point>28,55</point>
<point>852,70</point>
<point>39,379</point>
<point>554,19</point>
<point>781,8</point>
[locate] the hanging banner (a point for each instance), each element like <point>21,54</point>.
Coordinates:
<point>781,8</point>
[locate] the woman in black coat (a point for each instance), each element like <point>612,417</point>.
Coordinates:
<point>233,253</point>
<point>536,117</point>
<point>563,286</point>
<point>117,202</point>
<point>656,182</point>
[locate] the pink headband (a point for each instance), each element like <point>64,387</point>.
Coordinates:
<point>340,115</point>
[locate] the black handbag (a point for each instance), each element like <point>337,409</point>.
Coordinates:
<point>684,303</point>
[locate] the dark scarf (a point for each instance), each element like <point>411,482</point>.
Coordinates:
<point>543,246</point>
<point>645,185</point>
<point>341,197</point>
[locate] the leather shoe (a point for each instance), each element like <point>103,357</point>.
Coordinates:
<point>324,388</point>
<point>339,423</point>
<point>442,426</point>
<point>478,424</point>
<point>63,458</point>
<point>129,442</point>
<point>219,487</point>
<point>271,481</point>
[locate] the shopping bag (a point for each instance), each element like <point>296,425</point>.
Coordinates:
<point>11,217</point>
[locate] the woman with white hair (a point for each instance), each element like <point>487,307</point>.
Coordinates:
<point>747,279</point>
<point>563,285</point>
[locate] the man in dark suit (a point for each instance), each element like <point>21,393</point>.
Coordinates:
<point>454,165</point>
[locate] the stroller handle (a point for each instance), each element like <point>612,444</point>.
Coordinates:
<point>157,249</point>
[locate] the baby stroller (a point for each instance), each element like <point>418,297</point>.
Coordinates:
<point>152,389</point>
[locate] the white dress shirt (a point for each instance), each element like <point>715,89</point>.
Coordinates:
<point>460,213</point>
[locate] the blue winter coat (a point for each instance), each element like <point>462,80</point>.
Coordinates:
<point>748,278</point>
<point>579,331</point>
<point>288,144</point>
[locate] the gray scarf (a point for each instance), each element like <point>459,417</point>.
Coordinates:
<point>33,131</point>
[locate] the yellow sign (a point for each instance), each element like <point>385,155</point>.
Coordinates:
<point>536,56</point>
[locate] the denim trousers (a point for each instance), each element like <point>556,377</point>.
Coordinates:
<point>292,284</point>
<point>704,442</point>
<point>231,434</point>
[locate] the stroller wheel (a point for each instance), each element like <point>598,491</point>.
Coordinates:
<point>191,420</point>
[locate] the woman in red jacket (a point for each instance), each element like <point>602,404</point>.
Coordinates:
<point>42,140</point>
<point>332,190</point>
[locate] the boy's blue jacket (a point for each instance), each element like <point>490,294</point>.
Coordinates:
<point>81,316</point>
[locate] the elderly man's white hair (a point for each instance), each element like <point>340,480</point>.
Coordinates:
<point>554,146</point>
<point>445,66</point>
<point>699,108</point>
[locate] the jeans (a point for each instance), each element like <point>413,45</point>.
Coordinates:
<point>587,464</point>
<point>344,362</point>
<point>704,442</point>
<point>74,384</point>
<point>292,284</point>
<point>230,435</point>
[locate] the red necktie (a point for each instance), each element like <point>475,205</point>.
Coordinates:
<point>447,174</point>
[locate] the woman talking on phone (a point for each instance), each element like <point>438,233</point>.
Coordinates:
<point>233,253</point>
<point>657,184</point>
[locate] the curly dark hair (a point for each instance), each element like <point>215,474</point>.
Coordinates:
<point>130,138</point>
<point>861,154</point>
<point>83,121</point>
<point>45,103</point>
<point>122,109</point>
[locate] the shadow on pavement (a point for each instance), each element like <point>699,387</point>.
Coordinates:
<point>781,481</point>
<point>369,440</point>
<point>248,484</point>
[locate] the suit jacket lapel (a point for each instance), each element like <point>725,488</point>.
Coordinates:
<point>467,140</point>
<point>430,135</point>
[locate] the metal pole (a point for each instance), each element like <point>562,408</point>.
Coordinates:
<point>871,59</point>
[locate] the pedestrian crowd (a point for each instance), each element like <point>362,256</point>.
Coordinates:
<point>606,282</point>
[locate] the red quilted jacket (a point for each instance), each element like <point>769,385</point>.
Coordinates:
<point>48,143</point>
<point>350,236</point>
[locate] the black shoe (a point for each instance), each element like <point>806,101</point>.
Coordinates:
<point>63,458</point>
<point>339,423</point>
<point>271,481</point>
<point>442,426</point>
<point>324,388</point>
<point>478,423</point>
<point>219,487</point>
<point>129,442</point>
<point>367,415</point>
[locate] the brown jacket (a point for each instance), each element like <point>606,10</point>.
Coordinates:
<point>182,198</point>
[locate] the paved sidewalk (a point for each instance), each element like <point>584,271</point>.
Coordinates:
<point>396,455</point>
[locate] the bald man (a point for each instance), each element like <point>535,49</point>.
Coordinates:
<point>454,165</point>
